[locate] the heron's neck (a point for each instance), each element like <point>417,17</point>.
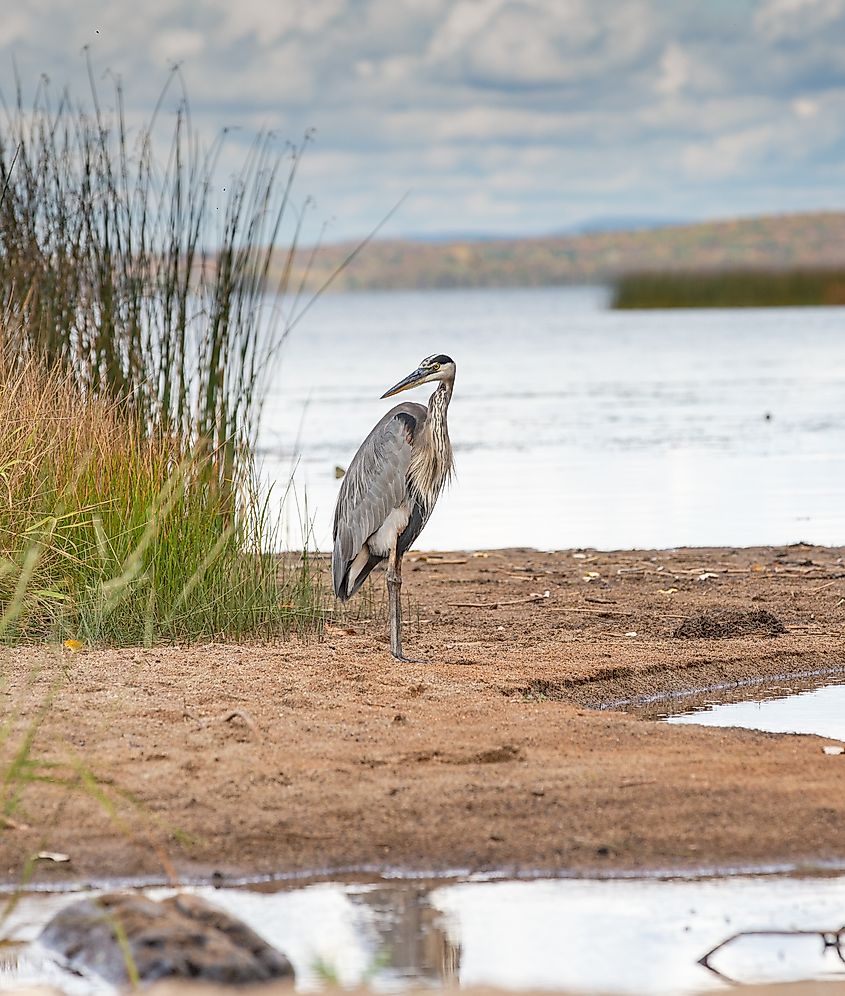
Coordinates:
<point>431,464</point>
<point>441,447</point>
<point>438,405</point>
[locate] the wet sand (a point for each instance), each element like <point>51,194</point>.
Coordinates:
<point>328,754</point>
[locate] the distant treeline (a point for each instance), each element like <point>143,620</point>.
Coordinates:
<point>731,289</point>
<point>796,242</point>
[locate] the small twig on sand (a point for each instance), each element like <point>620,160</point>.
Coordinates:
<point>614,612</point>
<point>595,612</point>
<point>499,605</point>
<point>821,587</point>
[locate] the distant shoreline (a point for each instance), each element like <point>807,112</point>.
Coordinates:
<point>783,243</point>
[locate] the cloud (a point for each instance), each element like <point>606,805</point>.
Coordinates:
<point>792,20</point>
<point>539,43</point>
<point>178,45</point>
<point>506,115</point>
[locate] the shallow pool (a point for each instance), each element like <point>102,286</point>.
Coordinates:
<point>616,936</point>
<point>778,710</point>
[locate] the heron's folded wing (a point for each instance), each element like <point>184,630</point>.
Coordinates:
<point>373,485</point>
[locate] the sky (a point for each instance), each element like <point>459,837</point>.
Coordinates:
<point>495,117</point>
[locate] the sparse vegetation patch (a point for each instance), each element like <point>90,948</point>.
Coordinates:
<point>731,289</point>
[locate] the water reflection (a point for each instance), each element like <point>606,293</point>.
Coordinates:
<point>777,956</point>
<point>413,944</point>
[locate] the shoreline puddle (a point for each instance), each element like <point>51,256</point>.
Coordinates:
<point>615,936</point>
<point>807,702</point>
<point>657,704</point>
<point>810,702</point>
<point>819,711</point>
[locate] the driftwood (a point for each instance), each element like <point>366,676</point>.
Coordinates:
<point>832,940</point>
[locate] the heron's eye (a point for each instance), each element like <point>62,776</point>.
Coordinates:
<point>435,366</point>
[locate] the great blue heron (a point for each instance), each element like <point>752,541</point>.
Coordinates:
<point>390,489</point>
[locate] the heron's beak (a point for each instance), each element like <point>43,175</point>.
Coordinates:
<point>410,381</point>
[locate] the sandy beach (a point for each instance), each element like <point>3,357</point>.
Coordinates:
<point>324,755</point>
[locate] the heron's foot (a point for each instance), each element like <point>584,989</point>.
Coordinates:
<point>407,660</point>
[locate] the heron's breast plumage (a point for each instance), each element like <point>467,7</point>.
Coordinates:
<point>429,471</point>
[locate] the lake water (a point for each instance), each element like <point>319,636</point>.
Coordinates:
<point>574,425</point>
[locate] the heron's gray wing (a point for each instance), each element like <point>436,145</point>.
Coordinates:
<point>373,485</point>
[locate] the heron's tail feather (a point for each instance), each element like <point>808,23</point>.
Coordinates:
<point>354,573</point>
<point>349,573</point>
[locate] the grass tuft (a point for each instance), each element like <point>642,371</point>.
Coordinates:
<point>109,534</point>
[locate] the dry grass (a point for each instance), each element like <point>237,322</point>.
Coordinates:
<point>111,533</point>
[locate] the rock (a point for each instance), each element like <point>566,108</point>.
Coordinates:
<point>122,935</point>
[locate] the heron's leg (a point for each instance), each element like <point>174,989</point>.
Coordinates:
<point>394,588</point>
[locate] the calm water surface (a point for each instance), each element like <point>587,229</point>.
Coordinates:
<point>820,711</point>
<point>612,936</point>
<point>574,425</point>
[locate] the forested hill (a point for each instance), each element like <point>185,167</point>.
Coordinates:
<point>779,242</point>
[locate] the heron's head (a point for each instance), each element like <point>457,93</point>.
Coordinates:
<point>437,367</point>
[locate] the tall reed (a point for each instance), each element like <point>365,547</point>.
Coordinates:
<point>137,337</point>
<point>144,279</point>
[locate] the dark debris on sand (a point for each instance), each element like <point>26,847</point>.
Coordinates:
<point>724,623</point>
